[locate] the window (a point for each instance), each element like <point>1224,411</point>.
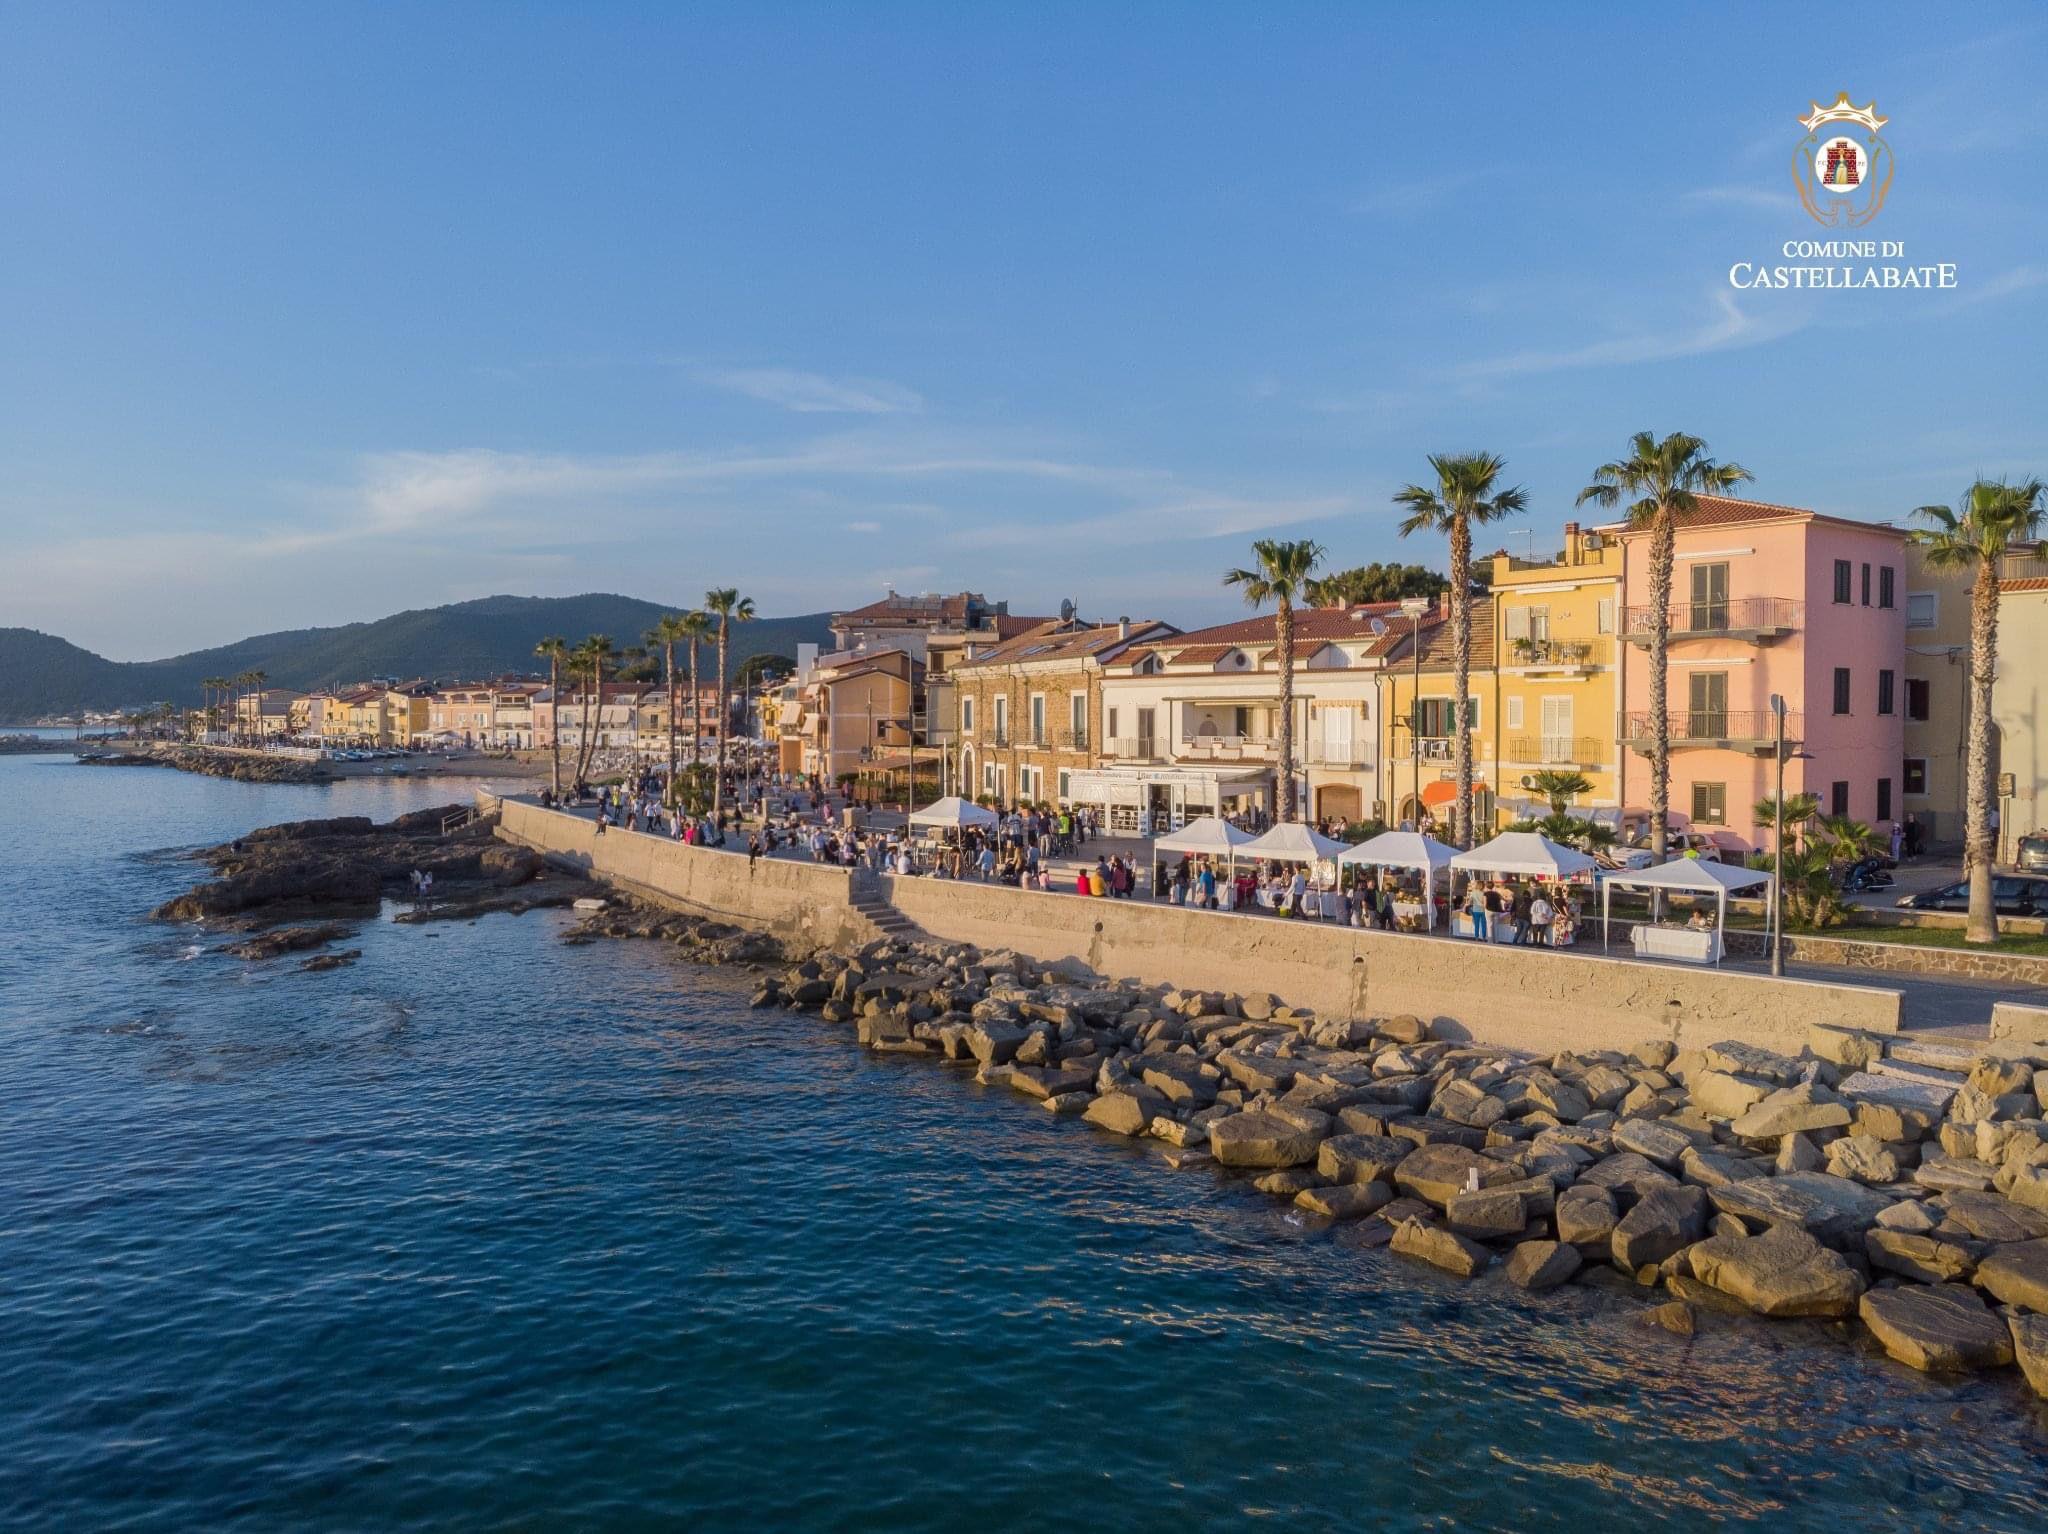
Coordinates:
<point>1866,584</point>
<point>1002,720</point>
<point>1077,721</point>
<point>1887,681</point>
<point>1434,717</point>
<point>1842,579</point>
<point>1706,703</point>
<point>1887,587</point>
<point>1066,784</point>
<point>1709,610</point>
<point>1841,689</point>
<point>1603,620</point>
<point>967,714</point>
<point>1917,697</point>
<point>1838,798</point>
<point>1884,799</point>
<point>1514,713</point>
<point>1038,719</point>
<point>1922,608</point>
<point>1710,804</point>
<point>1916,776</point>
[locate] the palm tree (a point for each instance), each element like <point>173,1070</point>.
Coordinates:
<point>209,689</point>
<point>1799,810</point>
<point>729,607</point>
<point>1280,574</point>
<point>1560,788</point>
<point>556,649</point>
<point>697,628</point>
<point>257,677</point>
<point>1464,493</point>
<point>1664,480</point>
<point>591,654</point>
<point>1984,526</point>
<point>669,631</point>
<point>243,682</point>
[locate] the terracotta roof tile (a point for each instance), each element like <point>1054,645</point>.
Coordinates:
<point>1048,641</point>
<point>2025,583</point>
<point>1728,511</point>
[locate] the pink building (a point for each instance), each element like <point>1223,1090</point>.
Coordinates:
<point>1770,599</point>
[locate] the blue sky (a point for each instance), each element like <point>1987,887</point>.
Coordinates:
<point>314,313</point>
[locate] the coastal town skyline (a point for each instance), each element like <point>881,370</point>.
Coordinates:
<point>933,316</point>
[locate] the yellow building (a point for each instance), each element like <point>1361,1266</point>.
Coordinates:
<point>1418,745</point>
<point>408,714</point>
<point>1555,663</point>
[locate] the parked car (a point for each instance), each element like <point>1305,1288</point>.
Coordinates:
<point>2032,853</point>
<point>2011,895</point>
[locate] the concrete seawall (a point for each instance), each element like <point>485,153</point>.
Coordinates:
<point>798,902</point>
<point>1519,997</point>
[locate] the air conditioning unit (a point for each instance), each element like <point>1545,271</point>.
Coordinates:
<point>1528,780</point>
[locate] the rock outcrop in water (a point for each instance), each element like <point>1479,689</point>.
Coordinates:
<point>242,766</point>
<point>347,864</point>
<point>1900,1181</point>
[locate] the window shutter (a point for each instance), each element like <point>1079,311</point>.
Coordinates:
<point>1518,623</point>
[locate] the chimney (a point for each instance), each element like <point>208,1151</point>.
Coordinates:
<point>1571,543</point>
<point>1123,628</point>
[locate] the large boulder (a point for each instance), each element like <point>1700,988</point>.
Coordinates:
<point>1440,1248</point>
<point>2030,1347</point>
<point>1991,1218</point>
<point>1792,1110</point>
<point>1628,1176</point>
<point>1180,1079</point>
<point>1663,1223</point>
<point>1361,1158</point>
<point>1940,1327</point>
<point>1924,1259</point>
<point>1658,1142</point>
<point>1586,1218</point>
<point>994,1043</point>
<point>1782,1272</point>
<point>2017,1274</point>
<point>1345,1201</point>
<point>1268,1137</point>
<point>1542,1264</point>
<point>1491,1214</point>
<point>1832,1208</point>
<point>1434,1173</point>
<point>1126,1111</point>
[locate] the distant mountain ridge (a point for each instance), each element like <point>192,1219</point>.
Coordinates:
<point>42,675</point>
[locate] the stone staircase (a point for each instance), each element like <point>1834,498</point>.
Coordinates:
<point>870,902</point>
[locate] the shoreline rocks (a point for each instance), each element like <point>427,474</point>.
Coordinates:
<point>1726,1181</point>
<point>243,767</point>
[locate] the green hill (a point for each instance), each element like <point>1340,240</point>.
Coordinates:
<point>43,676</point>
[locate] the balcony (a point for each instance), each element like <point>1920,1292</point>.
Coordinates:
<point>1000,739</point>
<point>1072,740</point>
<point>1226,748</point>
<point>1714,730</point>
<point>1557,750</point>
<point>1754,620</point>
<point>1560,657</point>
<point>1320,753</point>
<point>1134,748</point>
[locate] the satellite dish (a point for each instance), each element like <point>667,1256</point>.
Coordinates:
<point>1379,627</point>
<point>1067,610</point>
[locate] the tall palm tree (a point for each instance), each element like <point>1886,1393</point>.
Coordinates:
<point>591,655</point>
<point>1464,493</point>
<point>1663,481</point>
<point>728,607</point>
<point>669,631</point>
<point>697,629</point>
<point>1280,574</point>
<point>556,649</point>
<point>1986,524</point>
<point>257,677</point>
<point>244,680</point>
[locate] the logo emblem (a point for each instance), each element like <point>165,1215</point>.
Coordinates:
<point>1842,168</point>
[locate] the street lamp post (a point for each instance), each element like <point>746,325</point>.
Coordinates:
<point>1778,839</point>
<point>1415,607</point>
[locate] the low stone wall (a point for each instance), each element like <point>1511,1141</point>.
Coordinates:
<point>1523,997</point>
<point>1914,959</point>
<point>2018,1024</point>
<point>801,903</point>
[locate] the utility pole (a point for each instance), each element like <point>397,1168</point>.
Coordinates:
<point>1778,840</point>
<point>1415,607</point>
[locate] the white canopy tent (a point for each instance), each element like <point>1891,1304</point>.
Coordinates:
<point>1526,853</point>
<point>1208,836</point>
<point>954,813</point>
<point>1293,842</point>
<point>1690,876</point>
<point>1405,849</point>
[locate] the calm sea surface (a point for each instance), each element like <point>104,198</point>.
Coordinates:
<point>488,1232</point>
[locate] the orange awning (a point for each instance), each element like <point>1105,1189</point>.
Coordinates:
<point>1441,792</point>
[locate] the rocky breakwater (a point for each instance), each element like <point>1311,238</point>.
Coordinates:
<point>1894,1188</point>
<point>242,766</point>
<point>346,866</point>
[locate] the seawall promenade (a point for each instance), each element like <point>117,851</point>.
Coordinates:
<point>1519,998</point>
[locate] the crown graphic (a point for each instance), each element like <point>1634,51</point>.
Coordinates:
<point>1842,111</point>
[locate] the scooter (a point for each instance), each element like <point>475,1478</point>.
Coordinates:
<point>1865,875</point>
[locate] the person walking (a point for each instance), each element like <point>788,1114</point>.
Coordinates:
<point>1541,914</point>
<point>1518,913</point>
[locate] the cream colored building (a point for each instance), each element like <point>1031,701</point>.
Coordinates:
<point>2018,696</point>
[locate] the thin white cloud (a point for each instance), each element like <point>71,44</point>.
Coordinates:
<point>863,527</point>
<point>816,394</point>
<point>1730,326</point>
